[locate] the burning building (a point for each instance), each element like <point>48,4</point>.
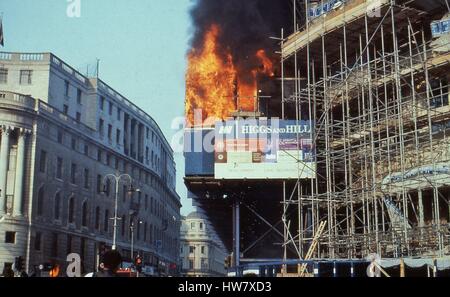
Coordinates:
<point>371,79</point>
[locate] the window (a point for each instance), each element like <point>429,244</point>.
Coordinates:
<point>97,218</point>
<point>110,132</point>
<point>204,263</point>
<point>54,252</point>
<point>78,117</point>
<point>82,248</point>
<point>117,164</point>
<point>100,127</point>
<point>37,241</point>
<point>145,231</point>
<point>201,226</point>
<point>71,210</point>
<point>123,225</point>
<point>191,249</point>
<point>66,87</point>
<point>59,168</point>
<point>99,184</point>
<point>86,178</point>
<point>57,206</point>
<point>191,264</point>
<point>146,202</point>
<point>151,233</point>
<point>84,216</point>
<point>43,162</point>
<point>60,137</point>
<point>106,221</point>
<point>111,107</point>
<point>138,231</point>
<point>3,75</point>
<point>99,155</point>
<point>79,94</point>
<point>118,114</point>
<point>124,193</point>
<point>66,109</point>
<point>40,202</point>
<point>192,226</point>
<point>203,249</point>
<point>10,237</point>
<point>74,144</point>
<point>108,159</point>
<point>108,187</point>
<point>69,244</point>
<point>102,102</point>
<point>147,134</point>
<point>118,136</point>
<point>86,150</point>
<point>25,77</point>
<point>73,173</point>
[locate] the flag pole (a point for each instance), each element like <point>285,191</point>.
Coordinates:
<point>2,37</point>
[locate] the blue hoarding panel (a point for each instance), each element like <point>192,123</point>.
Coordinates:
<point>198,160</point>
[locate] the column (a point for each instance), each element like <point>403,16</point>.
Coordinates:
<point>4,154</point>
<point>20,170</point>
<point>136,140</point>
<point>130,153</point>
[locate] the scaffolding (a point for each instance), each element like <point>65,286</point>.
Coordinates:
<point>374,82</point>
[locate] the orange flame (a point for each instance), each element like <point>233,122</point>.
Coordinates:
<point>213,83</point>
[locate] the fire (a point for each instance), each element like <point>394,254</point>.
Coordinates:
<point>215,86</point>
<point>267,65</point>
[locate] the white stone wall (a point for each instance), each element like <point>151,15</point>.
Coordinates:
<point>162,217</point>
<point>214,252</point>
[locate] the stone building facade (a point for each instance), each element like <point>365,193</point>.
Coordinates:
<point>61,134</point>
<point>202,253</point>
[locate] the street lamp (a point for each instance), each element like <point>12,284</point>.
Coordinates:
<point>116,178</point>
<point>132,237</point>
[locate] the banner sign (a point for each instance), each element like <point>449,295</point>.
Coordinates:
<point>264,149</point>
<point>320,9</point>
<point>441,27</point>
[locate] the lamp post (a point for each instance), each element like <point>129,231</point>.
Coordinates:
<point>132,237</point>
<point>116,178</point>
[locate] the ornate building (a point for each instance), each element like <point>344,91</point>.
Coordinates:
<point>58,144</point>
<point>202,253</point>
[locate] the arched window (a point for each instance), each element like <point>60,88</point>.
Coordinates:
<point>84,216</point>
<point>97,218</point>
<point>71,209</point>
<point>106,222</point>
<point>40,202</point>
<point>57,206</point>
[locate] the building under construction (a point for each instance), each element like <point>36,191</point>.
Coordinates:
<point>373,78</point>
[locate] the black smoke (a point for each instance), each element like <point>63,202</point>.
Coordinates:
<point>245,27</point>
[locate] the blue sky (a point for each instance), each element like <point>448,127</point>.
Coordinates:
<point>141,45</point>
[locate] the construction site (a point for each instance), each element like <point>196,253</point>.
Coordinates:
<point>371,79</point>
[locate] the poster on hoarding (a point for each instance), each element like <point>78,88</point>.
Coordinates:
<point>263,149</point>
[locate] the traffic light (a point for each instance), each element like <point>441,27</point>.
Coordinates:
<point>138,263</point>
<point>18,263</point>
